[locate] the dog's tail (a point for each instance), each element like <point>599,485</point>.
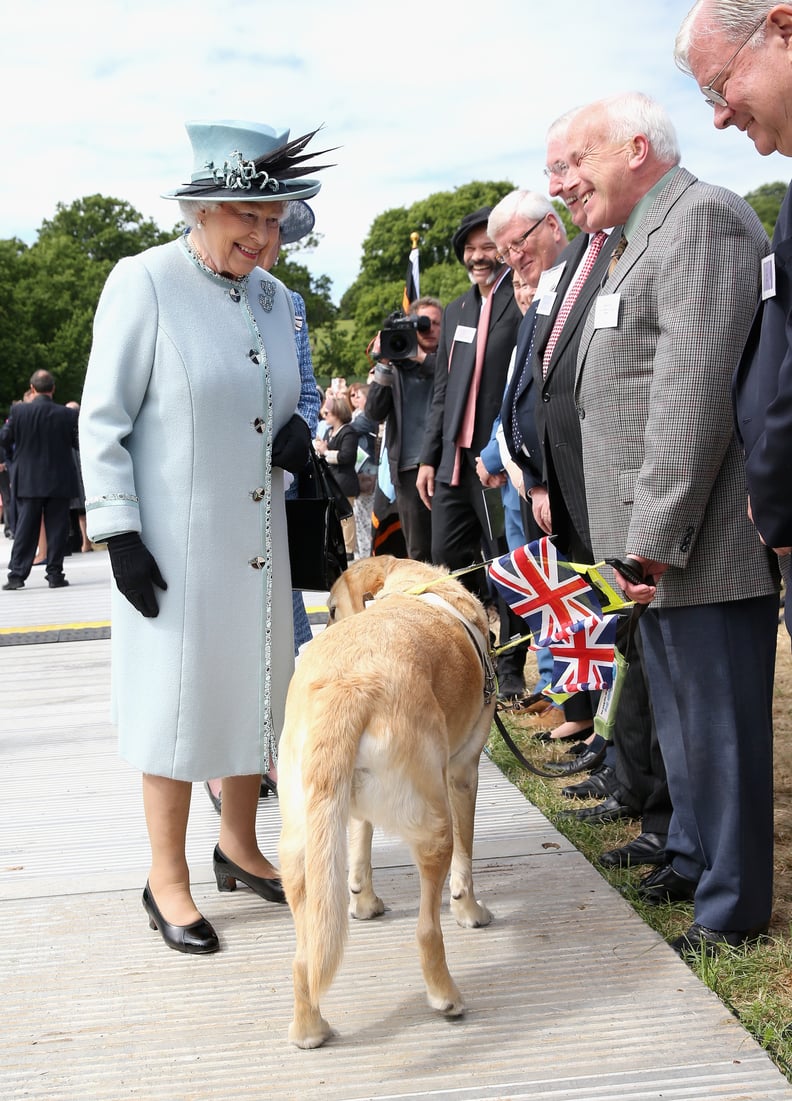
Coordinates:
<point>328,771</point>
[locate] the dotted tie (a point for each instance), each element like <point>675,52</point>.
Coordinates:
<point>594,249</point>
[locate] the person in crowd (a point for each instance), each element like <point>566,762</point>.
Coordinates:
<point>339,447</point>
<point>476,340</point>
<point>368,445</point>
<point>41,435</point>
<point>665,488</point>
<point>497,469</point>
<point>79,529</point>
<point>740,53</point>
<point>400,394</point>
<point>188,422</point>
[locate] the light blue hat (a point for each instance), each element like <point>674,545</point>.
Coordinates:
<point>249,162</point>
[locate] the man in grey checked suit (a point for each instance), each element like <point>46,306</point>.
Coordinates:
<point>665,488</point>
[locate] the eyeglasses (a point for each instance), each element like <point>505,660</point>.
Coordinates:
<point>716,99</point>
<point>559,168</point>
<point>517,246</point>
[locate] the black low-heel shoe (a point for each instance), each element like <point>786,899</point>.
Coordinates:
<point>227,873</point>
<point>199,938</point>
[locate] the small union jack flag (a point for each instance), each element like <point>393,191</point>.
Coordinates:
<point>584,660</point>
<point>539,584</point>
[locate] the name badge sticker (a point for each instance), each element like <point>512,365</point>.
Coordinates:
<point>546,304</point>
<point>549,280</point>
<point>606,311</point>
<point>768,277</point>
<point>464,334</point>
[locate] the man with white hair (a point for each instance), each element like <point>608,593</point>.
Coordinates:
<point>665,489</point>
<point>748,47</point>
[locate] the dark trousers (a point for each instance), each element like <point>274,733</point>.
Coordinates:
<point>29,512</point>
<point>6,498</point>
<point>637,760</point>
<point>415,517</point>
<point>461,535</point>
<point>710,670</point>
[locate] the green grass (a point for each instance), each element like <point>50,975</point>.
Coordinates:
<point>754,984</point>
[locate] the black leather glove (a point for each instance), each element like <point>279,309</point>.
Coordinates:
<point>291,448</point>
<point>135,572</point>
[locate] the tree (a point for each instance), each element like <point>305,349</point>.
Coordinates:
<point>103,228</point>
<point>49,291</point>
<point>766,201</point>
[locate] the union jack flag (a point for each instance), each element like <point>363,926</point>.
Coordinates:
<point>584,660</point>
<point>539,584</point>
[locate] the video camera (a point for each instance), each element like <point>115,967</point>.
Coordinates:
<point>399,335</point>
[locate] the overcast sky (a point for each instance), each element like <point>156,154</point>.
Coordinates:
<point>421,97</point>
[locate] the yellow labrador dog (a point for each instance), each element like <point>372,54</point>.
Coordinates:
<point>386,718</point>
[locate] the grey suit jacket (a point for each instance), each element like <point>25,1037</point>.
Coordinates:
<point>664,472</point>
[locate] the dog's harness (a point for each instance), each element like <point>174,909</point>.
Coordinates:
<point>476,637</point>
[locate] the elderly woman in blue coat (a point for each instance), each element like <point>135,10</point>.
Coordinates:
<point>188,422</point>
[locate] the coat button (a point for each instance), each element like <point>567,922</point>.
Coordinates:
<point>545,398</point>
<point>581,413</point>
<point>259,424</point>
<point>258,563</point>
<point>257,494</point>
<point>253,354</point>
<point>234,295</point>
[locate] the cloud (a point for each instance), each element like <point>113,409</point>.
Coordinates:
<point>96,98</point>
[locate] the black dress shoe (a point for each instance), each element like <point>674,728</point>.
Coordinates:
<point>699,938</point>
<point>268,785</point>
<point>197,939</point>
<point>609,810</point>
<point>227,873</point>
<point>57,581</point>
<point>665,885</point>
<point>585,762</point>
<point>646,848</point>
<point>598,785</point>
<point>13,583</point>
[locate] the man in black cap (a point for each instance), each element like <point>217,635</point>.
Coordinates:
<point>476,341</point>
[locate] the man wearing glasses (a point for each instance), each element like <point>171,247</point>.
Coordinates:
<point>751,90</point>
<point>477,337</point>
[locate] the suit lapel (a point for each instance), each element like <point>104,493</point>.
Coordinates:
<point>582,303</point>
<point>639,242</point>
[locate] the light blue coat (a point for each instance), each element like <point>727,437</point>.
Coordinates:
<point>170,448</point>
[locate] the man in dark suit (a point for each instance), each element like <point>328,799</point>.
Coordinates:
<point>753,55</point>
<point>476,341</point>
<point>665,489</point>
<point>630,778</point>
<point>42,437</point>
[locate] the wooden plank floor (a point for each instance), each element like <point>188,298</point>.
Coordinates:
<point>570,995</point>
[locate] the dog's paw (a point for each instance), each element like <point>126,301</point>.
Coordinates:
<point>310,1037</point>
<point>452,1004</point>
<point>470,913</point>
<point>364,907</point>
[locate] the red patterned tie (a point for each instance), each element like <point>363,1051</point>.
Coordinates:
<point>594,249</point>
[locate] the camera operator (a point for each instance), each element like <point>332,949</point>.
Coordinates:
<point>401,394</point>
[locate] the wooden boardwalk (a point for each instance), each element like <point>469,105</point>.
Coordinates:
<point>570,995</point>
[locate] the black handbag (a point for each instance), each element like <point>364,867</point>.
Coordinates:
<point>317,553</point>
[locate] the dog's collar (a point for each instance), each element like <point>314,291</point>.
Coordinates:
<point>476,637</point>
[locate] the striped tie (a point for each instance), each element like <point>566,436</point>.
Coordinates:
<point>594,249</point>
